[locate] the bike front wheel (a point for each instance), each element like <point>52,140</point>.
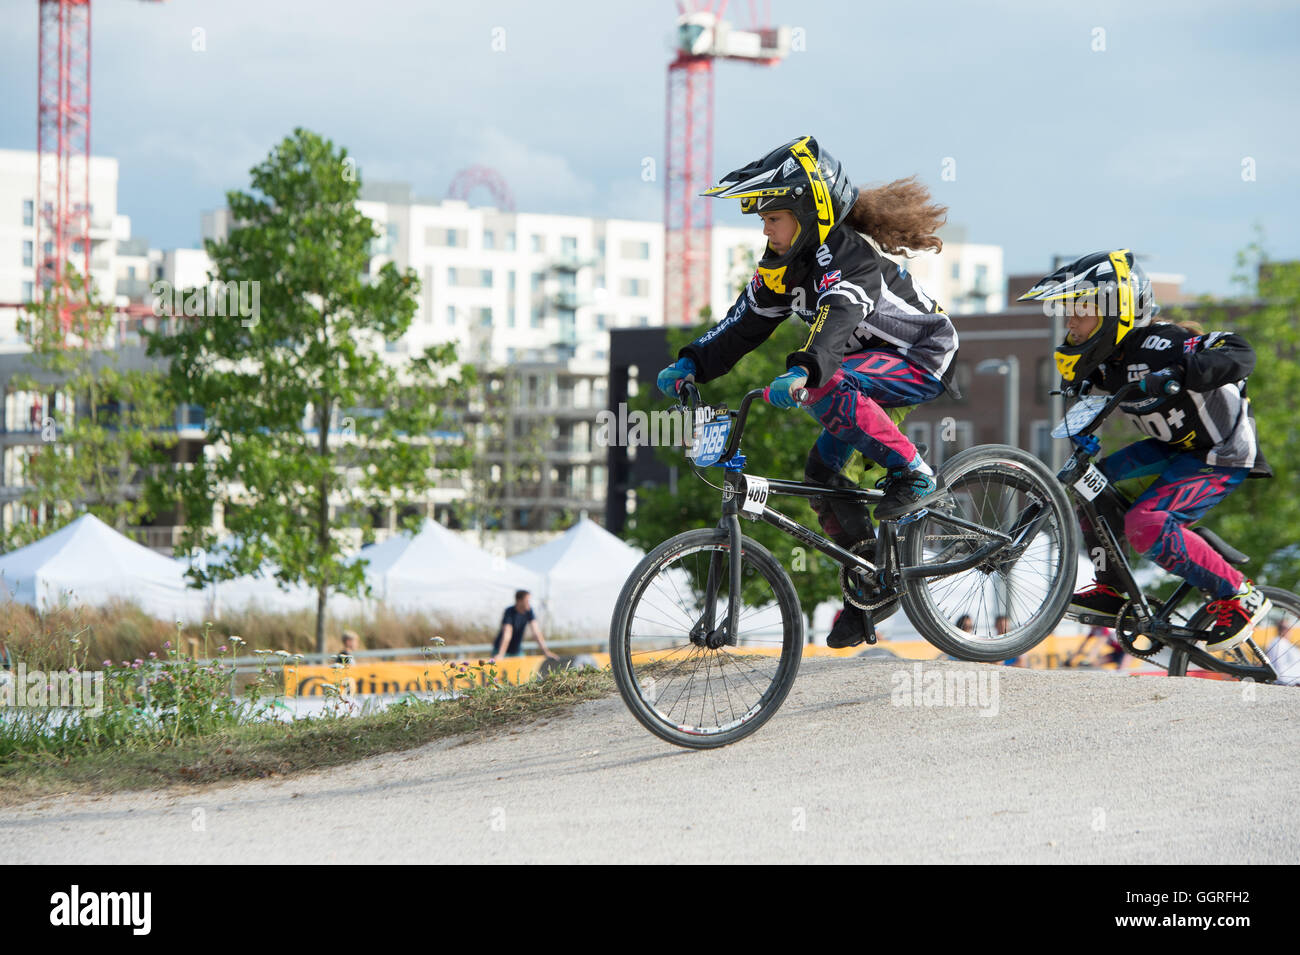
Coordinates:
<point>1016,595</point>
<point>675,684</point>
<point>1275,641</point>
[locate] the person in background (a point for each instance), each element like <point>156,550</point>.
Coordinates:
<point>351,643</point>
<point>515,622</point>
<point>964,622</point>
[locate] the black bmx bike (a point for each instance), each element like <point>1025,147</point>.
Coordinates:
<point>708,632</point>
<point>1170,631</point>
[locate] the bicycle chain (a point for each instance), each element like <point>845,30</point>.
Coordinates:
<point>850,595</point>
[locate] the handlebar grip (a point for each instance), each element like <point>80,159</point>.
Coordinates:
<point>800,395</point>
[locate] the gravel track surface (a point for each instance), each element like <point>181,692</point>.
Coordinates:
<point>1068,766</point>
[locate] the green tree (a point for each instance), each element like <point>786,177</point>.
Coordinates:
<point>1262,517</point>
<point>775,444</point>
<point>274,384</point>
<point>104,435</point>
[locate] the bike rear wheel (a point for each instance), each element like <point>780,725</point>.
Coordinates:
<point>1013,600</point>
<point>680,690</point>
<point>1275,641</point>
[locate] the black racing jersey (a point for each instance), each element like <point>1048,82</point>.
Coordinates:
<point>1210,417</point>
<point>853,298</point>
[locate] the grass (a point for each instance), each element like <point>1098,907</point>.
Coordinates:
<point>122,631</point>
<point>260,750</point>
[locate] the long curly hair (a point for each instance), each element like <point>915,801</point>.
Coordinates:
<point>899,217</point>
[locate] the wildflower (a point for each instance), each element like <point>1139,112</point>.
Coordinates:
<point>282,654</point>
<point>152,655</point>
<point>167,645</point>
<point>236,640</point>
<point>221,649</point>
<point>138,661</point>
<point>438,642</point>
<point>108,663</point>
<point>72,669</point>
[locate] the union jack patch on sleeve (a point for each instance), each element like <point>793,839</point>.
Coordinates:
<point>829,279</point>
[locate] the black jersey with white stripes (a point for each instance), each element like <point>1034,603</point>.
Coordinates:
<point>1210,417</point>
<point>852,298</point>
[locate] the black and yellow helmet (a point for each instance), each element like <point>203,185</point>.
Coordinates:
<point>799,176</point>
<point>1121,292</point>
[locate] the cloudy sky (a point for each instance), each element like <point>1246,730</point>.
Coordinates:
<point>1058,144</point>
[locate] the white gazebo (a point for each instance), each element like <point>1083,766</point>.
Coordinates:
<point>89,563</point>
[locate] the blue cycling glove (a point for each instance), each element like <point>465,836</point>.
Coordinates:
<point>671,378</point>
<point>1157,383</point>
<point>778,393</point>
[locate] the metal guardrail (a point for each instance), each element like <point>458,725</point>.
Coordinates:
<point>448,653</point>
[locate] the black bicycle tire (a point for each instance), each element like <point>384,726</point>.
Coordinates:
<point>1179,657</point>
<point>936,628</point>
<point>792,638</point>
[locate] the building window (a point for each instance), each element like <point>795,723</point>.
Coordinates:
<point>29,208</point>
<point>600,246</point>
<point>510,318</point>
<point>635,250</point>
<point>28,290</point>
<point>956,271</point>
<point>510,281</point>
<point>28,251</point>
<point>569,245</point>
<point>539,243</point>
<point>451,277</point>
<point>510,241</point>
<point>485,278</point>
<point>483,317</point>
<point>636,288</point>
<point>537,281</point>
<point>451,314</point>
<point>453,238</point>
<point>489,240</point>
<point>600,321</point>
<point>643,321</point>
<point>537,317</point>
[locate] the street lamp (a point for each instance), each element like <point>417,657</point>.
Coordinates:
<point>1010,367</point>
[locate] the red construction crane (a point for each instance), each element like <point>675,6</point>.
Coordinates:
<point>63,148</point>
<point>702,37</point>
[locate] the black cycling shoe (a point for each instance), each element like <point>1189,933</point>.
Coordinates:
<point>1099,600</point>
<point>904,491</point>
<point>849,629</point>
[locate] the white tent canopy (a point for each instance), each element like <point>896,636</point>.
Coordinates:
<point>438,572</point>
<point>583,571</point>
<point>90,563</point>
<point>260,591</point>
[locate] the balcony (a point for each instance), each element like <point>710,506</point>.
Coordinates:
<point>572,263</point>
<point>569,300</point>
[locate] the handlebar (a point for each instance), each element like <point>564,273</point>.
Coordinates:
<point>689,397</point>
<point>1125,391</point>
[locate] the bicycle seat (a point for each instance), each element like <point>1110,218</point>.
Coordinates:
<point>1222,547</point>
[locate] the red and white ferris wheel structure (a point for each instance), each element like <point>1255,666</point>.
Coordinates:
<point>702,37</point>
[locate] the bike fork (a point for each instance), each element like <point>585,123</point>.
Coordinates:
<point>706,632</point>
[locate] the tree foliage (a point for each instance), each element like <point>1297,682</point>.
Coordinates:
<point>309,426</point>
<point>105,431</point>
